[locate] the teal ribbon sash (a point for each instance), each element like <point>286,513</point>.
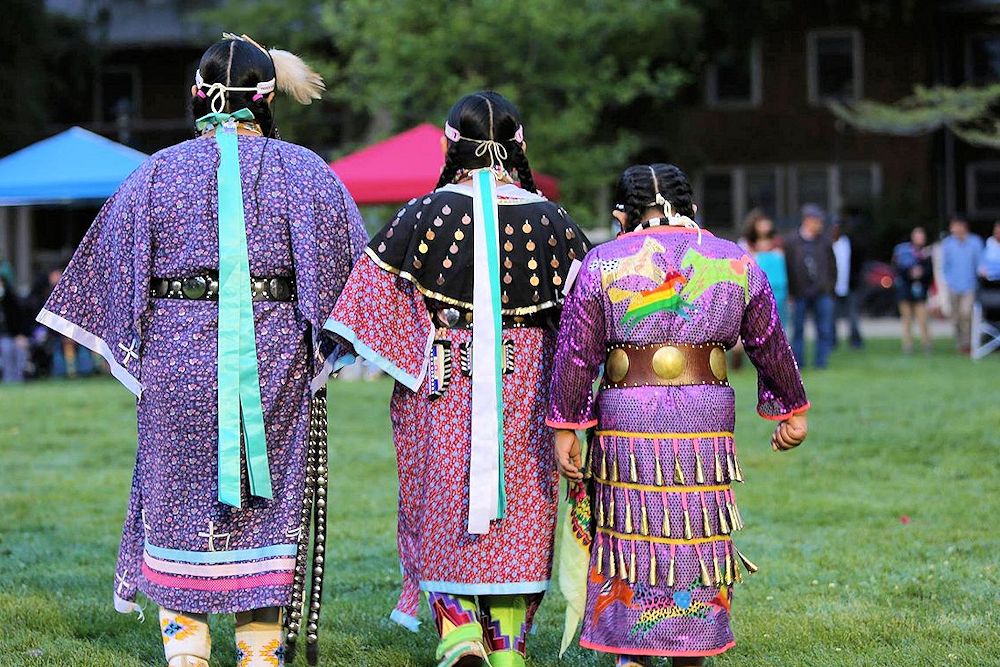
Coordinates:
<point>239,399</point>
<point>486,184</point>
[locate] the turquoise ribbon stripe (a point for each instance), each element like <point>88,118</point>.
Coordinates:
<point>487,195</point>
<point>239,399</point>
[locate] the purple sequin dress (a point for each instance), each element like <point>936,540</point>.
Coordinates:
<point>180,546</point>
<point>663,457</point>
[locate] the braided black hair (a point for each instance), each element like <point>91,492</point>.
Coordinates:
<point>240,64</point>
<point>471,117</point>
<point>638,185</point>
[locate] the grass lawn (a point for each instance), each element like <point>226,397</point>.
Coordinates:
<point>844,579</point>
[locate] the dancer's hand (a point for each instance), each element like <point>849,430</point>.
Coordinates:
<point>790,433</point>
<point>567,453</point>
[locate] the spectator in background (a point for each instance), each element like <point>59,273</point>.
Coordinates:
<point>989,264</point>
<point>812,274</point>
<point>960,255</point>
<point>849,258</point>
<point>761,241</point>
<point>13,334</point>
<point>914,270</point>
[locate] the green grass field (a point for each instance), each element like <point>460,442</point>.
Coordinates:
<point>843,581</point>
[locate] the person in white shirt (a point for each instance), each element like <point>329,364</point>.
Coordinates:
<point>848,259</point>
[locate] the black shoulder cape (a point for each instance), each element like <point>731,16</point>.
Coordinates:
<point>430,244</point>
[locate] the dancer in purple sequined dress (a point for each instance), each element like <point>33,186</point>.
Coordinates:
<point>658,307</point>
<point>145,289</point>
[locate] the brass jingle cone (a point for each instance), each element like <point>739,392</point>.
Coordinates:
<point>718,468</point>
<point>622,570</point>
<point>688,534</point>
<point>737,468</point>
<point>706,525</point>
<point>632,467</point>
<point>723,524</point>
<point>631,567</point>
<point>644,525</point>
<point>614,468</point>
<point>604,463</point>
<point>628,513</point>
<point>659,471</point>
<point>717,573</point>
<point>600,556</point>
<point>706,580</point>
<point>730,466</point>
<point>699,471</point>
<point>670,571</point>
<point>747,563</point>
<point>666,519</point>
<point>729,568</point>
<point>678,473</point>
<point>652,565</point>
<point>611,561</point>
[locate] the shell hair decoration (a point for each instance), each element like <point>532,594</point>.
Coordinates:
<point>293,76</point>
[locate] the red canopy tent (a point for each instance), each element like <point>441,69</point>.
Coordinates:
<point>403,167</point>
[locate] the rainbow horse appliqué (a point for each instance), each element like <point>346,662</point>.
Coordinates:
<point>673,292</point>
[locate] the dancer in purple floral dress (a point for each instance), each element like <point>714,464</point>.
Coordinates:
<point>205,281</point>
<point>658,307</point>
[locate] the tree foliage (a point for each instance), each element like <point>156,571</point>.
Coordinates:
<point>967,111</point>
<point>572,68</point>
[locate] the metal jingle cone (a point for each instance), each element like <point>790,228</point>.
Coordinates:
<point>659,469</point>
<point>706,580</point>
<point>631,567</point>
<point>670,570</point>
<point>728,564</point>
<point>739,515</point>
<point>614,468</point>
<point>622,568</point>
<point>665,528</point>
<point>699,471</point>
<point>747,563</point>
<point>723,524</point>
<point>688,533</point>
<point>644,524</point>
<point>706,524</point>
<point>604,463</point>
<point>652,564</point>
<point>736,467</point>
<point>730,466</point>
<point>716,572</point>
<point>718,468</point>
<point>632,467</point>
<point>600,510</point>
<point>600,555</point>
<point>678,473</point>
<point>611,508</point>
<point>628,513</point>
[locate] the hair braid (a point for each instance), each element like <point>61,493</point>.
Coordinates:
<point>451,166</point>
<point>638,185</point>
<point>519,161</point>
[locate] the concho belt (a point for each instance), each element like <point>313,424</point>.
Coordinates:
<point>205,287</point>
<point>664,364</point>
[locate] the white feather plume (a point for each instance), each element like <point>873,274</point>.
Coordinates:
<point>296,78</point>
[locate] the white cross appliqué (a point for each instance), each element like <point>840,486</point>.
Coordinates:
<point>122,584</point>
<point>211,535</point>
<point>130,353</point>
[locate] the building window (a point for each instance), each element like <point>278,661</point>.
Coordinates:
<point>725,194</point>
<point>718,199</point>
<point>983,188</point>
<point>834,65</point>
<point>763,190</point>
<point>119,93</point>
<point>734,78</point>
<point>982,61</point>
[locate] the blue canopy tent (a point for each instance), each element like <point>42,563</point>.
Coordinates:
<point>75,166</point>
